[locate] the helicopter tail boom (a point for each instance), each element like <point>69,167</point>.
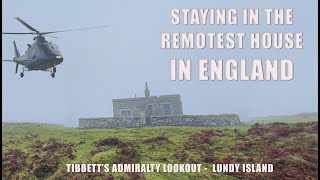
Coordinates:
<point>16,55</point>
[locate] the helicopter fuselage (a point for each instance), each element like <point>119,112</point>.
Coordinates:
<point>41,55</point>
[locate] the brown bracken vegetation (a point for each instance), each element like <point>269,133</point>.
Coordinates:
<point>291,148</point>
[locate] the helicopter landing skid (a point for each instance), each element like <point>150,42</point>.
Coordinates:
<point>22,73</point>
<point>52,71</point>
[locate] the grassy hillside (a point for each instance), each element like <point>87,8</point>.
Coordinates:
<point>40,151</point>
<point>303,117</point>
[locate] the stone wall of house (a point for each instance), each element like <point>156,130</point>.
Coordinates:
<point>185,120</point>
<point>136,105</point>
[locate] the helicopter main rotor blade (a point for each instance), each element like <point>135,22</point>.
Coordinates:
<point>17,33</point>
<point>27,25</point>
<point>50,32</point>
<point>51,36</point>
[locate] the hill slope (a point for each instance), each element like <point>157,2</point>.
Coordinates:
<point>41,151</point>
<point>303,117</point>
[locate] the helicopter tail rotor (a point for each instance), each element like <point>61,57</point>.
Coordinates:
<point>17,66</point>
<point>16,51</point>
<point>16,59</point>
<point>16,54</point>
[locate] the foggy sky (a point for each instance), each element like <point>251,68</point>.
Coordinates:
<point>104,64</point>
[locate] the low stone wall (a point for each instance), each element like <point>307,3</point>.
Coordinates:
<point>109,123</point>
<point>197,120</point>
<point>185,120</point>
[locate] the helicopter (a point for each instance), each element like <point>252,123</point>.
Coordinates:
<point>41,55</point>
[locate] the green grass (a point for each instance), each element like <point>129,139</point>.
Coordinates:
<point>180,140</point>
<point>304,117</point>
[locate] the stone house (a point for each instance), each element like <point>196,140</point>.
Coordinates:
<point>148,106</point>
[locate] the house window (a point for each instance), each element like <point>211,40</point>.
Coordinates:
<point>150,109</point>
<point>167,109</point>
<point>126,113</point>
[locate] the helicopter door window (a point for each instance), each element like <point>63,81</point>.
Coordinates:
<point>55,48</point>
<point>46,49</point>
<point>52,48</point>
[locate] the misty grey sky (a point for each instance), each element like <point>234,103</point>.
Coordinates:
<point>103,64</point>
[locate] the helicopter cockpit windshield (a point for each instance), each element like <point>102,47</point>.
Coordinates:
<point>50,49</point>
